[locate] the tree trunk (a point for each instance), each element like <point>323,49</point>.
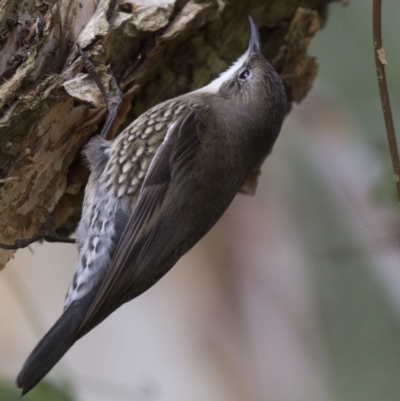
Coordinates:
<point>156,49</point>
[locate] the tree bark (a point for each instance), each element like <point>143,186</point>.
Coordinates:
<point>156,49</point>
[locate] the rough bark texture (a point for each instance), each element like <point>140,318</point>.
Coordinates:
<point>156,49</point>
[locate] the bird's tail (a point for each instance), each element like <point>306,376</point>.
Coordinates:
<point>58,340</point>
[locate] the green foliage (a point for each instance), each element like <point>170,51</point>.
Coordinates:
<point>44,391</point>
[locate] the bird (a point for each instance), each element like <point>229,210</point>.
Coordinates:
<point>157,188</point>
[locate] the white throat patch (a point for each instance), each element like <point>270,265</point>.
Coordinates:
<point>213,86</point>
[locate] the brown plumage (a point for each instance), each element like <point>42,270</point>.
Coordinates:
<point>157,189</point>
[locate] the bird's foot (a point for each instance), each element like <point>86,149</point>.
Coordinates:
<point>112,98</point>
<point>47,233</point>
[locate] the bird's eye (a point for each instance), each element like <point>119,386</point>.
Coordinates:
<point>244,75</point>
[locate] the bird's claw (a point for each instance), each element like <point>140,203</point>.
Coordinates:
<point>47,234</point>
<point>112,98</point>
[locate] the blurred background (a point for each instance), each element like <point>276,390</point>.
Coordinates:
<point>293,296</point>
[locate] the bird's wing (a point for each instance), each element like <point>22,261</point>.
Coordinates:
<point>170,167</point>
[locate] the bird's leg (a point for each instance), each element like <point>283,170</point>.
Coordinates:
<point>47,233</point>
<point>112,98</point>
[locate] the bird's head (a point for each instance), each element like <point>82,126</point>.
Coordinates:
<point>251,80</point>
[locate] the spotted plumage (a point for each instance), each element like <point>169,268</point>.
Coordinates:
<point>133,150</point>
<point>157,189</point>
<point>119,173</point>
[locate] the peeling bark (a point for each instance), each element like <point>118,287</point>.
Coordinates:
<point>156,49</point>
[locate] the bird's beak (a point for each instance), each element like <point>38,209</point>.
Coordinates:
<point>254,41</point>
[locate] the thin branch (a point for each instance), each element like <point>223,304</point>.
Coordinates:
<point>380,61</point>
